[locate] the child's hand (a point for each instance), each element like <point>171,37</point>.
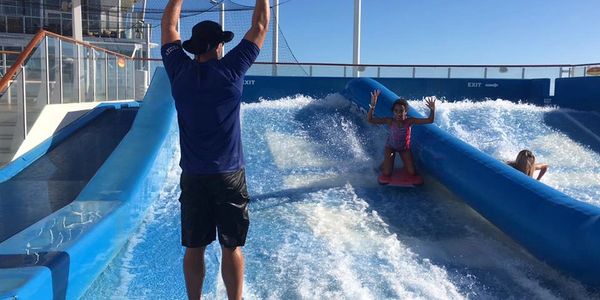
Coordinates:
<point>374,96</point>
<point>430,102</point>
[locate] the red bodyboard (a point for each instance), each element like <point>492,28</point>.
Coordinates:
<point>400,178</point>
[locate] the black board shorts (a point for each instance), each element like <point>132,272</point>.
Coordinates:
<point>211,203</point>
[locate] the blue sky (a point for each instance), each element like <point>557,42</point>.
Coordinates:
<point>445,32</point>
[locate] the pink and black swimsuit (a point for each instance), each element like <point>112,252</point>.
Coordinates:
<point>399,138</point>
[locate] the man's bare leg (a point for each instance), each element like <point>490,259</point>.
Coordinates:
<point>194,270</point>
<point>232,270</point>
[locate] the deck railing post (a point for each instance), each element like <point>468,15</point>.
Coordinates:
<point>93,67</point>
<point>47,65</point>
<point>60,72</point>
<point>106,75</point>
<point>24,95</point>
<point>78,72</point>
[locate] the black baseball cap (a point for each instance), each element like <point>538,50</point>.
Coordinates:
<point>205,36</point>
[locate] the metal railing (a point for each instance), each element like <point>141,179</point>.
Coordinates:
<point>420,71</point>
<point>54,69</point>
<point>424,71</point>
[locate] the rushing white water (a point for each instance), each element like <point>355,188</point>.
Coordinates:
<point>322,228</point>
<point>503,128</point>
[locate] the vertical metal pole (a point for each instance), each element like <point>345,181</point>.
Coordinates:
<point>584,71</point>
<point>119,19</point>
<point>222,19</point>
<point>523,73</point>
<point>106,76</point>
<point>93,66</point>
<point>133,79</point>
<point>147,62</point>
<point>47,75</point>
<point>3,63</point>
<point>126,77</point>
<point>60,72</point>
<point>76,21</point>
<point>143,18</point>
<point>485,72</point>
<point>414,72</point>
<point>345,71</point>
<point>78,72</point>
<point>378,72</point>
<point>4,72</point>
<point>356,52</point>
<point>310,71</point>
<point>559,72</point>
<point>275,36</point>
<point>24,93</point>
<point>449,72</point>
<point>117,76</point>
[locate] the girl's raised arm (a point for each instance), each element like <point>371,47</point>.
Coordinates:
<point>370,118</point>
<point>430,102</point>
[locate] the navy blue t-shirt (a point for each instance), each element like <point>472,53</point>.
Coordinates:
<point>207,98</point>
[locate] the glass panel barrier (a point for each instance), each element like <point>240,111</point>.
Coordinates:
<point>69,73</point>
<point>121,78</point>
<point>261,70</point>
<point>397,72</point>
<point>327,71</point>
<point>35,88</point>
<point>578,71</point>
<point>112,77</point>
<point>365,71</point>
<point>100,70</point>
<point>86,82</point>
<point>504,72</point>
<point>431,72</point>
<point>54,69</point>
<point>130,79</point>
<point>468,72</point>
<point>12,132</point>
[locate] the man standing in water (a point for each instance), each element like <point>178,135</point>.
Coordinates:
<point>207,92</point>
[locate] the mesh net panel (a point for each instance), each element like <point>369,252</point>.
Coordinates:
<point>237,19</point>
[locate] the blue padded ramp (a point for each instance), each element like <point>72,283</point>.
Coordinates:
<point>60,255</point>
<point>56,178</point>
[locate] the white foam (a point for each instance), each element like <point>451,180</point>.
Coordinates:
<point>356,236</point>
<point>291,151</point>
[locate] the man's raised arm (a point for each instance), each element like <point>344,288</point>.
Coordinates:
<point>260,23</point>
<point>169,21</point>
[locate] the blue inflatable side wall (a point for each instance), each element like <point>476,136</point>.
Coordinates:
<point>526,90</point>
<point>554,227</point>
<point>582,93</point>
<point>96,225</point>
